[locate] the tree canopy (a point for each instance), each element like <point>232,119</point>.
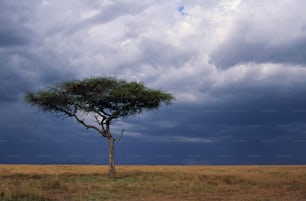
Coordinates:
<point>105,97</point>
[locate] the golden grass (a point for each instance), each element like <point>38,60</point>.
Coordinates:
<point>169,183</point>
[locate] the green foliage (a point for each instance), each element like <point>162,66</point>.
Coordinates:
<point>106,96</point>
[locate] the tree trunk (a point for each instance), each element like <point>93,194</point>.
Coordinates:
<point>112,170</point>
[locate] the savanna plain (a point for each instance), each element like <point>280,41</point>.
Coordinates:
<point>152,183</point>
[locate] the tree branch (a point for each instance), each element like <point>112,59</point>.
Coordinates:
<point>101,114</point>
<point>114,115</point>
<point>97,120</point>
<point>89,126</point>
<point>74,115</point>
<point>103,122</point>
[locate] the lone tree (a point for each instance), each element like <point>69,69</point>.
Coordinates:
<point>102,99</point>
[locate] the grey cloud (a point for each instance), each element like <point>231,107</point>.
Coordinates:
<point>23,71</point>
<point>26,63</point>
<point>13,82</point>
<point>12,36</point>
<point>261,33</point>
<point>238,51</point>
<point>109,13</point>
<point>156,55</point>
<point>13,16</point>
<point>161,54</point>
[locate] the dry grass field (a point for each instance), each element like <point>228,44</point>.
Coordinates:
<point>152,183</point>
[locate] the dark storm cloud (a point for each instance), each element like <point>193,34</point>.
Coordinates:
<point>242,107</point>
<point>253,127</point>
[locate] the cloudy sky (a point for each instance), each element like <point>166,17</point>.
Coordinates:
<point>236,67</point>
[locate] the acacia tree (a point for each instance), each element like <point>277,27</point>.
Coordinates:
<point>96,102</point>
